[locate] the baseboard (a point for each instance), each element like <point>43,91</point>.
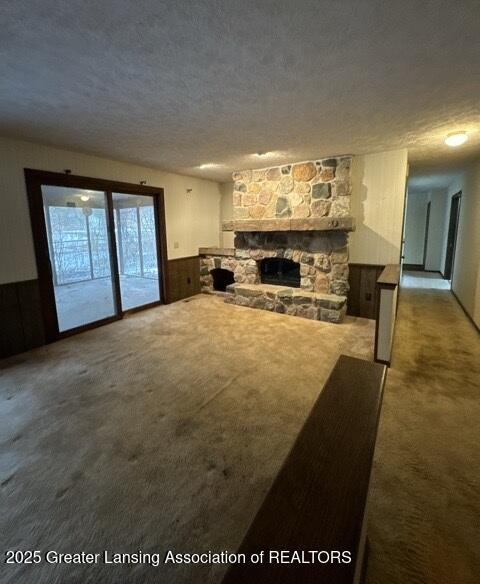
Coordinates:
<point>383,362</point>
<point>420,268</point>
<point>466,313</point>
<point>414,267</point>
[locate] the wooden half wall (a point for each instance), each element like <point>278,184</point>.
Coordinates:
<point>387,293</point>
<point>363,294</point>
<point>318,500</point>
<point>183,278</point>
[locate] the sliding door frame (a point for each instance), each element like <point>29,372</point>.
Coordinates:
<point>34,180</point>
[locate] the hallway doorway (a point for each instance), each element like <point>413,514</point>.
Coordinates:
<point>430,233</point>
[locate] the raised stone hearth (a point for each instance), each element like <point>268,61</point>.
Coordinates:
<point>286,300</point>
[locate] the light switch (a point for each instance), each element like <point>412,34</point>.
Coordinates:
<point>176,245</point>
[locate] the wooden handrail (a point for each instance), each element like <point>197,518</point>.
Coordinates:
<point>318,499</point>
<point>390,277</point>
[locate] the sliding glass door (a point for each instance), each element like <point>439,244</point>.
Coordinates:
<point>135,233</point>
<point>78,245</point>
<point>100,249</point>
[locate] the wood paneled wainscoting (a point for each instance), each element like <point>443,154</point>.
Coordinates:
<point>183,278</point>
<point>21,317</point>
<point>21,322</point>
<point>363,294</point>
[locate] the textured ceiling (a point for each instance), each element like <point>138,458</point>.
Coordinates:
<point>180,83</point>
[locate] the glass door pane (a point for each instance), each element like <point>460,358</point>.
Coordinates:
<point>136,237</point>
<point>78,244</point>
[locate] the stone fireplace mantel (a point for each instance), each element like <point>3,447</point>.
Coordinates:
<point>306,224</point>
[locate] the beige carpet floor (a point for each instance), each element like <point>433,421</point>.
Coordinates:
<point>424,523</point>
<point>160,432</point>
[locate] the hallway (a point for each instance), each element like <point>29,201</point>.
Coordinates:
<point>430,280</point>
<point>424,507</point>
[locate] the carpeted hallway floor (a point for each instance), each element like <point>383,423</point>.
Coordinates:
<point>424,523</point>
<point>160,432</point>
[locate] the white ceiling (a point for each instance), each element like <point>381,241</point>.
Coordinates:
<point>432,179</point>
<point>175,84</point>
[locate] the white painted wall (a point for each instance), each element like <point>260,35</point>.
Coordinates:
<point>415,221</point>
<point>226,213</point>
<point>466,274</point>
<point>386,323</point>
<point>192,219</point>
<point>378,197</point>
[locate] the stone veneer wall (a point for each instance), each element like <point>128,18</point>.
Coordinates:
<point>319,188</point>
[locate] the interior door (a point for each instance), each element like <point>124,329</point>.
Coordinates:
<point>80,255</point>
<point>452,236</point>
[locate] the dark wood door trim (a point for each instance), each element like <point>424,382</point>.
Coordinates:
<point>162,258</point>
<point>34,180</point>
<point>425,241</point>
<point>452,235</point>
<point>112,248</point>
<point>42,255</point>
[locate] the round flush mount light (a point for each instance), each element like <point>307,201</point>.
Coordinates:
<point>456,139</point>
<point>84,198</point>
<point>208,165</point>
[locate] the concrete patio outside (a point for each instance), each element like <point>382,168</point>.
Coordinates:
<point>85,302</point>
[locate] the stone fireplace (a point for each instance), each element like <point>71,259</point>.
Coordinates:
<point>291,228</point>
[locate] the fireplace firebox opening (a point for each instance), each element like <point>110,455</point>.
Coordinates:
<point>280,271</point>
<point>221,279</point>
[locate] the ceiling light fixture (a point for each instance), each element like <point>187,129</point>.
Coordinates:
<point>456,139</point>
<point>84,198</point>
<point>208,165</point>
<point>260,154</point>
